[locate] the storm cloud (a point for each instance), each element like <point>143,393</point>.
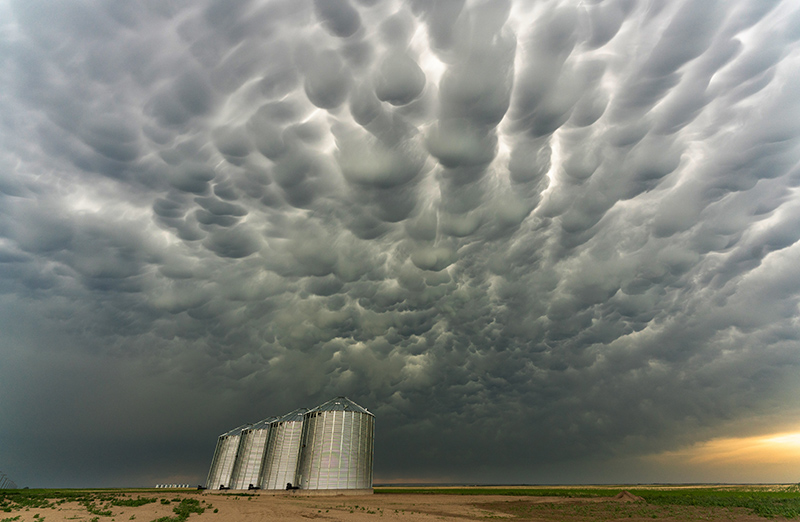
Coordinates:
<point>534,238</point>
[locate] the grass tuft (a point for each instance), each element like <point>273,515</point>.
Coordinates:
<point>183,510</point>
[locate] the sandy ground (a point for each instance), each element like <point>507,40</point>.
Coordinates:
<point>404,507</point>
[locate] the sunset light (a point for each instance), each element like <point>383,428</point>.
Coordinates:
<point>763,458</point>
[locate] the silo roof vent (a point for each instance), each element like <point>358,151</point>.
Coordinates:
<point>341,404</point>
<point>263,424</point>
<point>292,416</point>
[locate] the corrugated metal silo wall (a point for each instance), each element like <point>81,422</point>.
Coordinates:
<point>224,458</point>
<point>280,459</point>
<point>336,450</point>
<point>213,470</point>
<point>250,458</point>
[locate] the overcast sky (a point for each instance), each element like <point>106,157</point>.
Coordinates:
<point>542,241</point>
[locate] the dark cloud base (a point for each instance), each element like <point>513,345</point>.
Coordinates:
<point>537,239</point>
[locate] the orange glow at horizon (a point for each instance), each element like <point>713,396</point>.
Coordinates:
<point>774,457</point>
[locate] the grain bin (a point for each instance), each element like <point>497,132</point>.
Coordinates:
<point>219,476</point>
<point>336,447</point>
<point>283,446</point>
<point>250,458</point>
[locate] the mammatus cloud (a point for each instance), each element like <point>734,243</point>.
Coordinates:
<point>526,235</point>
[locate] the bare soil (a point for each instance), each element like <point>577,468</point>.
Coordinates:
<point>386,507</point>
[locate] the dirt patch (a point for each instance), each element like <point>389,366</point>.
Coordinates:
<point>627,496</point>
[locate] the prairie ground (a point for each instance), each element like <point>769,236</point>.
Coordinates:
<point>409,505</point>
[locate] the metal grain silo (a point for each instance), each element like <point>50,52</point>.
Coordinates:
<point>336,447</point>
<point>283,447</point>
<point>219,476</point>
<point>250,458</point>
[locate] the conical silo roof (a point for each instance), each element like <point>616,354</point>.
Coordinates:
<point>292,416</point>
<point>340,404</point>
<point>262,424</point>
<point>236,431</point>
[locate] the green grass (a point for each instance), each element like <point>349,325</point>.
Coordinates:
<point>94,509</point>
<point>183,510</point>
<point>763,503</point>
<point>96,502</point>
<point>784,502</point>
<point>46,498</point>
<point>601,511</point>
<point>132,502</point>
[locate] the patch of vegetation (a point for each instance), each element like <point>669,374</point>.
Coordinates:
<point>660,502</point>
<point>26,498</point>
<point>763,503</point>
<point>132,502</point>
<point>601,511</point>
<point>96,502</point>
<point>183,510</point>
<point>96,510</point>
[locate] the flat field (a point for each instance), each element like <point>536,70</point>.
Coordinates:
<point>563,503</point>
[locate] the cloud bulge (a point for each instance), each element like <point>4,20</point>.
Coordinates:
<point>534,238</point>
